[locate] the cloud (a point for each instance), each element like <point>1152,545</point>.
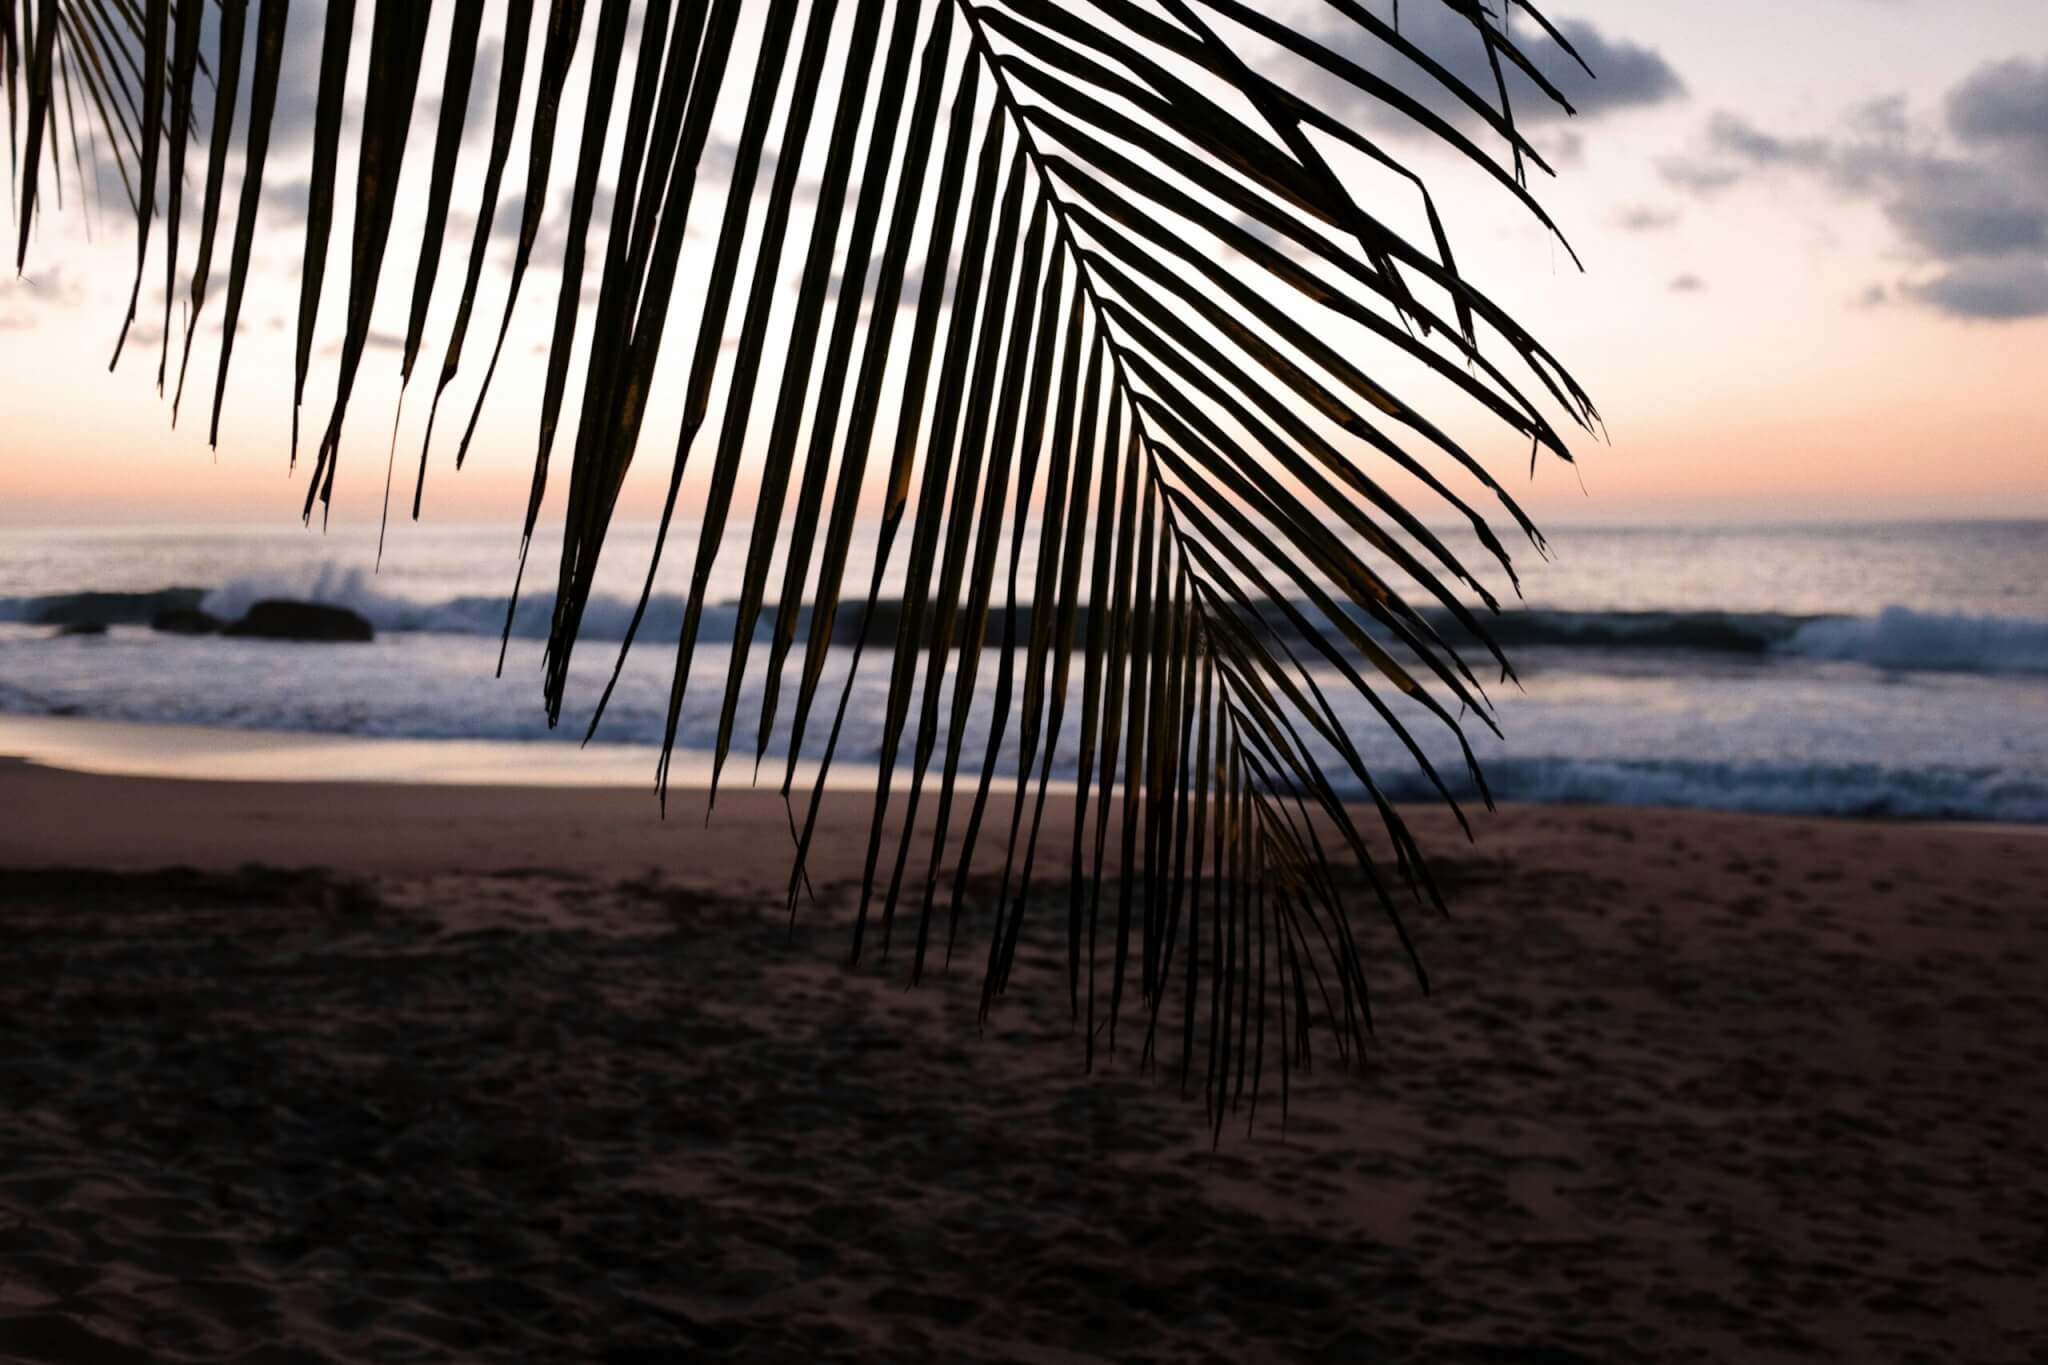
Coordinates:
<point>1559,146</point>
<point>298,83</point>
<point>1687,283</point>
<point>1625,74</point>
<point>286,201</point>
<point>1646,219</point>
<point>1884,117</point>
<point>49,286</point>
<point>1698,177</point>
<point>1967,198</point>
<point>1990,291</point>
<point>551,234</point>
<point>145,334</point>
<point>478,118</point>
<point>1962,209</point>
<point>39,292</point>
<point>511,215</point>
<point>2003,103</point>
<point>1731,135</point>
<point>721,156</point>
<point>1945,206</point>
<point>911,290</point>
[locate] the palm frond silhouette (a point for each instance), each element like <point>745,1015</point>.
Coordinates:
<point>1066,300</point>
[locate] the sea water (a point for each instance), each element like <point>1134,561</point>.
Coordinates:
<point>1895,669</point>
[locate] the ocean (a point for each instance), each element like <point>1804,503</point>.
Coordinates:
<point>1882,669</point>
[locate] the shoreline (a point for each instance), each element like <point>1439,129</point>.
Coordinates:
<point>608,827</point>
<point>169,751</point>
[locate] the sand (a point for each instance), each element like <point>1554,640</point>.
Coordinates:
<point>329,1072</point>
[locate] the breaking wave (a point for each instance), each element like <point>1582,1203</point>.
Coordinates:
<point>1867,790</point>
<point>1897,638</point>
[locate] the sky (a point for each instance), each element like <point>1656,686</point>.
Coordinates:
<point>1814,241</point>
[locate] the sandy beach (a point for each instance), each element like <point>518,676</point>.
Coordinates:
<point>354,1072</point>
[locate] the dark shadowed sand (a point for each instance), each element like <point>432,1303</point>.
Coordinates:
<point>448,1074</point>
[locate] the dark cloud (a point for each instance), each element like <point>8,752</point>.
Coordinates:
<point>298,86</point>
<point>1644,218</point>
<point>483,92</point>
<point>1687,284</point>
<point>285,202</point>
<point>298,83</point>
<point>511,215</point>
<point>1884,117</point>
<point>551,236</point>
<point>2003,103</point>
<point>721,159</point>
<point>1735,148</point>
<point>1972,206</point>
<point>721,156</point>
<point>1728,134</point>
<point>1943,205</point>
<point>1625,75</point>
<point>1988,290</point>
<point>146,334</point>
<point>1953,208</point>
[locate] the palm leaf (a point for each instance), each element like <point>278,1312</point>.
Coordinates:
<point>234,16</point>
<point>184,62</point>
<point>463,31</point>
<point>1082,271</point>
<point>565,27</point>
<point>397,40</point>
<point>270,33</point>
<point>339,35</point>
<point>511,79</point>
<point>155,33</point>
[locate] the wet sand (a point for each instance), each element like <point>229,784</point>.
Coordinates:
<point>333,1072</point>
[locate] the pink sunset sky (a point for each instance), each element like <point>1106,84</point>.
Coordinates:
<point>1816,285</point>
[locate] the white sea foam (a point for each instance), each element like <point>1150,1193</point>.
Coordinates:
<point>1850,789</point>
<point>1898,638</point>
<point>606,617</point>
